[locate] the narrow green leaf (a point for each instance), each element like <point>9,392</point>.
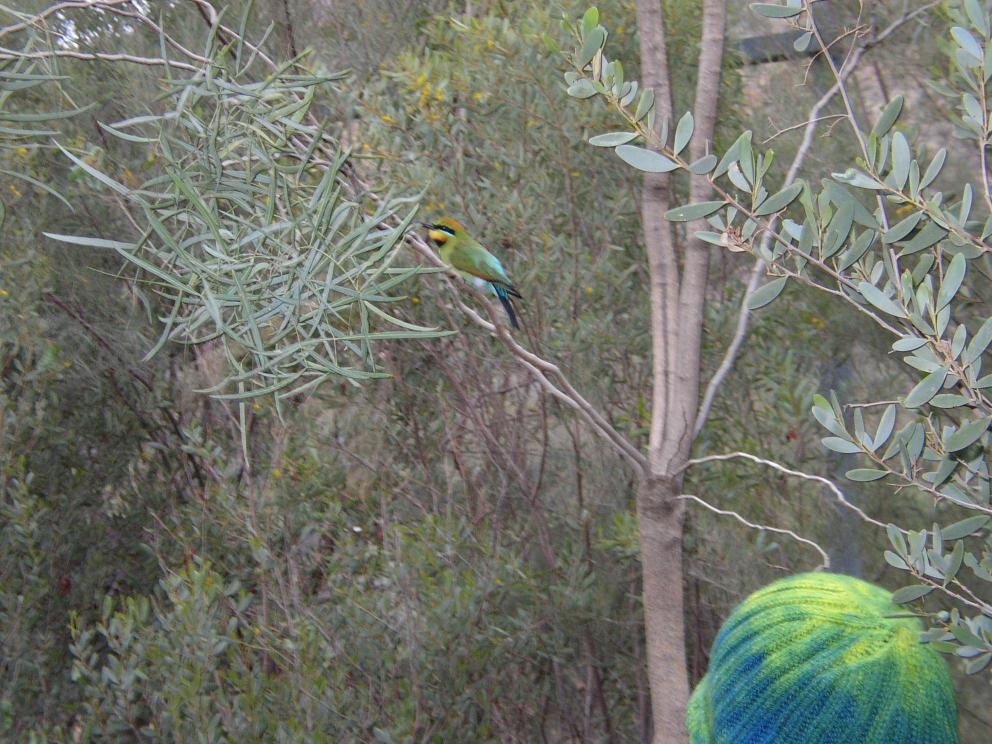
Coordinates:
<point>840,445</point>
<point>704,165</point>
<point>901,157</point>
<point>967,42</point>
<point>885,427</point>
<point>594,41</point>
<point>909,343</point>
<point>780,200</point>
<point>645,104</point>
<point>902,228</point>
<point>767,293</point>
<point>952,280</point>
<point>877,298</point>
<point>928,387</point>
<point>612,139</point>
<point>865,475</point>
<point>888,117</point>
<point>646,160</point>
<point>933,170</point>
<point>965,527</point>
<point>691,212</point>
<point>979,343</point>
<point>895,561</point>
<point>967,434</point>
<point>582,88</point>
<point>911,593</point>
<point>590,19</point>
<point>683,132</point>
<point>930,234</point>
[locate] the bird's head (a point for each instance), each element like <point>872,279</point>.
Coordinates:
<point>444,229</point>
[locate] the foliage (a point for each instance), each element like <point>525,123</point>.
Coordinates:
<point>901,259</point>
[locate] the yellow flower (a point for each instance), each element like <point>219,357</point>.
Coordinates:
<point>14,191</point>
<point>574,174</point>
<point>21,152</point>
<point>477,96</point>
<point>388,119</point>
<point>490,43</point>
<point>589,290</point>
<point>531,122</point>
<point>415,300</point>
<point>365,146</point>
<point>439,94</point>
<point>4,293</point>
<point>276,473</point>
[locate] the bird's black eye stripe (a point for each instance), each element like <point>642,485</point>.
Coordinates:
<point>444,229</point>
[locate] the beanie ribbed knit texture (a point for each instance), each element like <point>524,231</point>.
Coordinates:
<point>813,659</point>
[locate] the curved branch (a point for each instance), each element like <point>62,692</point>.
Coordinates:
<point>825,563</point>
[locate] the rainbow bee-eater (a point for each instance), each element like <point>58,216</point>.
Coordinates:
<point>464,253</point>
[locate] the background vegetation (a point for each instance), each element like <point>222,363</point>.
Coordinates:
<point>444,554</point>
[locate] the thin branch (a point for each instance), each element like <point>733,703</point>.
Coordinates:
<point>825,563</point>
<point>11,54</point>
<point>57,8</point>
<point>730,357</point>
<point>547,374</point>
<point>838,494</point>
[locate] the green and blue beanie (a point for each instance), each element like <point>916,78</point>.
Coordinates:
<point>818,658</point>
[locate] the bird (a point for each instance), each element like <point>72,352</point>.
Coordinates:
<point>466,255</point>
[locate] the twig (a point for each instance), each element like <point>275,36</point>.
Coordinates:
<point>825,563</point>
<point>788,471</point>
<point>6,54</point>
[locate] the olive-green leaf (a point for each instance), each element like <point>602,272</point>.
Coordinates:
<point>928,387</point>
<point>888,117</point>
<point>683,132</point>
<point>780,200</point>
<point>840,445</point>
<point>952,280</point>
<point>704,165</point>
<point>933,170</point>
<point>691,212</point>
<point>766,294</point>
<point>645,104</point>
<point>977,17</point>
<point>965,527</point>
<point>612,139</point>
<point>590,19</point>
<point>909,343</point>
<point>594,41</point>
<point>645,160</point>
<point>582,88</point>
<point>967,42</point>
<point>902,228</point>
<point>901,158</point>
<point>910,593</point>
<point>979,342</point>
<point>885,426</point>
<point>865,475</point>
<point>967,434</point>
<point>877,298</point>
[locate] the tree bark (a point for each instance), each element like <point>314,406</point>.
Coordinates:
<point>677,304</point>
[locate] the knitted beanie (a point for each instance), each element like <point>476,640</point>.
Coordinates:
<point>817,658</point>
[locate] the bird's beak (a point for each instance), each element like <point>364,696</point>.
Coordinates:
<point>426,225</point>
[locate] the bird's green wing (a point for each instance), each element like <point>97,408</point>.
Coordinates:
<point>473,259</point>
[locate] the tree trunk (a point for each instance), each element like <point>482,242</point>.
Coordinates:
<point>677,304</point>
<point>660,515</point>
